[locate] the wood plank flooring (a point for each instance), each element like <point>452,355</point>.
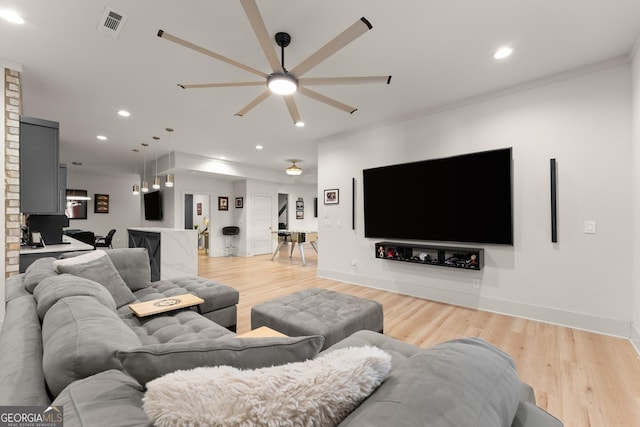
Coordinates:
<point>584,379</point>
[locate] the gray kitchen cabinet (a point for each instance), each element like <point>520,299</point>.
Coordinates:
<point>39,167</point>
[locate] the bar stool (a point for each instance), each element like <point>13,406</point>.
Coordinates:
<point>230,231</point>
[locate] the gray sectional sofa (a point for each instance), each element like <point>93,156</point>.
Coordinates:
<point>69,339</point>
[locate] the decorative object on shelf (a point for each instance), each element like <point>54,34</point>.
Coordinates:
<point>156,178</point>
<point>136,186</point>
<point>168,182</point>
<point>239,203</point>
<point>76,207</point>
<point>279,80</point>
<point>442,256</point>
<point>331,197</point>
<point>294,170</point>
<point>101,203</point>
<point>223,203</point>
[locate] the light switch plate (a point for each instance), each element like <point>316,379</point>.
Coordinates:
<point>589,227</point>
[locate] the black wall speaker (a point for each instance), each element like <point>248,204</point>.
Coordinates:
<point>554,203</point>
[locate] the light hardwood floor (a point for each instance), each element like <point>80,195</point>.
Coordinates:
<point>584,379</point>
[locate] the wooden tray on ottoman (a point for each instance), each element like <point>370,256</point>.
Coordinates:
<point>148,308</point>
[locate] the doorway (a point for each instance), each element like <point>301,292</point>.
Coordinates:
<point>197,216</point>
<point>283,211</point>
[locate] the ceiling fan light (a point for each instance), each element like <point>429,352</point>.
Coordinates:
<point>300,124</point>
<point>294,170</point>
<point>282,84</point>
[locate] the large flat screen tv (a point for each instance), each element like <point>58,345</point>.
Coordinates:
<point>153,206</point>
<point>464,198</point>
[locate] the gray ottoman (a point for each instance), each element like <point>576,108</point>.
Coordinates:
<point>319,312</point>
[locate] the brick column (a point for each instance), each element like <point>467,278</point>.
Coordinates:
<point>13,109</point>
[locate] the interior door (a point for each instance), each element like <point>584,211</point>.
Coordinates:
<point>262,223</point>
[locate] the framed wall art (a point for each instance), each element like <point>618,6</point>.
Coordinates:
<point>239,202</point>
<point>223,203</point>
<point>101,203</point>
<point>331,197</point>
<point>76,204</point>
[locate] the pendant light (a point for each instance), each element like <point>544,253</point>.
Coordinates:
<point>156,179</point>
<point>145,184</point>
<point>294,170</point>
<point>136,186</point>
<point>169,178</point>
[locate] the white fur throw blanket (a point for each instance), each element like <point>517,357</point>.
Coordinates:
<point>318,392</point>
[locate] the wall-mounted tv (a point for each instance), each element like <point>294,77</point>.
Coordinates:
<point>464,198</point>
<point>153,206</point>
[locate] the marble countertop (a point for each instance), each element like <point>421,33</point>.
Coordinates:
<point>159,229</point>
<point>71,246</point>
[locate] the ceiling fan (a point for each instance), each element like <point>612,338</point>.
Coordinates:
<point>282,81</point>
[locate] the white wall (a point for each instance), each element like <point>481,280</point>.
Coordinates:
<point>124,208</point>
<point>204,185</point>
<point>307,192</point>
<point>584,280</point>
<point>635,326</point>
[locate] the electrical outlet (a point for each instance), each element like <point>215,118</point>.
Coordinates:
<point>476,283</point>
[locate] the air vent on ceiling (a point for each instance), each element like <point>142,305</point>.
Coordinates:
<point>111,22</point>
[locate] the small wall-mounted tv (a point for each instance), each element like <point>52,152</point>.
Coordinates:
<point>153,206</point>
<point>466,198</point>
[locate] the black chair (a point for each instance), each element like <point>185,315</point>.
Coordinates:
<point>230,231</point>
<point>105,242</point>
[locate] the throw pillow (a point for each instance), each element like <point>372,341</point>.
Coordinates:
<point>54,288</point>
<point>97,266</point>
<point>152,361</point>
<point>318,392</point>
<point>74,259</point>
<point>80,337</point>
<point>457,383</point>
<point>39,270</point>
<point>133,266</point>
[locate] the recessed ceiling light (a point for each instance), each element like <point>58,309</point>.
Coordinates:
<point>11,16</point>
<point>124,113</point>
<point>222,157</point>
<point>299,124</point>
<point>503,52</point>
<point>259,147</point>
<point>101,137</point>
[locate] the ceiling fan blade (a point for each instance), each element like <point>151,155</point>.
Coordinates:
<point>325,99</point>
<point>232,84</point>
<point>293,109</point>
<point>163,34</point>
<point>340,41</point>
<point>257,23</point>
<point>311,81</point>
<point>250,106</point>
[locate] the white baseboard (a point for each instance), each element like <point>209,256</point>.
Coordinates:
<point>635,337</point>
<point>601,325</point>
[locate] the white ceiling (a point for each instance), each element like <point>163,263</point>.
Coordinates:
<point>438,52</point>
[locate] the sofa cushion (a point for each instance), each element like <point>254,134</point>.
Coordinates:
<point>80,337</point>
<point>318,392</point>
<point>152,361</point>
<point>21,375</point>
<point>54,288</point>
<point>171,327</point>
<point>38,270</point>
<point>107,398</point>
<point>133,266</point>
<point>460,382</point>
<point>97,266</point>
